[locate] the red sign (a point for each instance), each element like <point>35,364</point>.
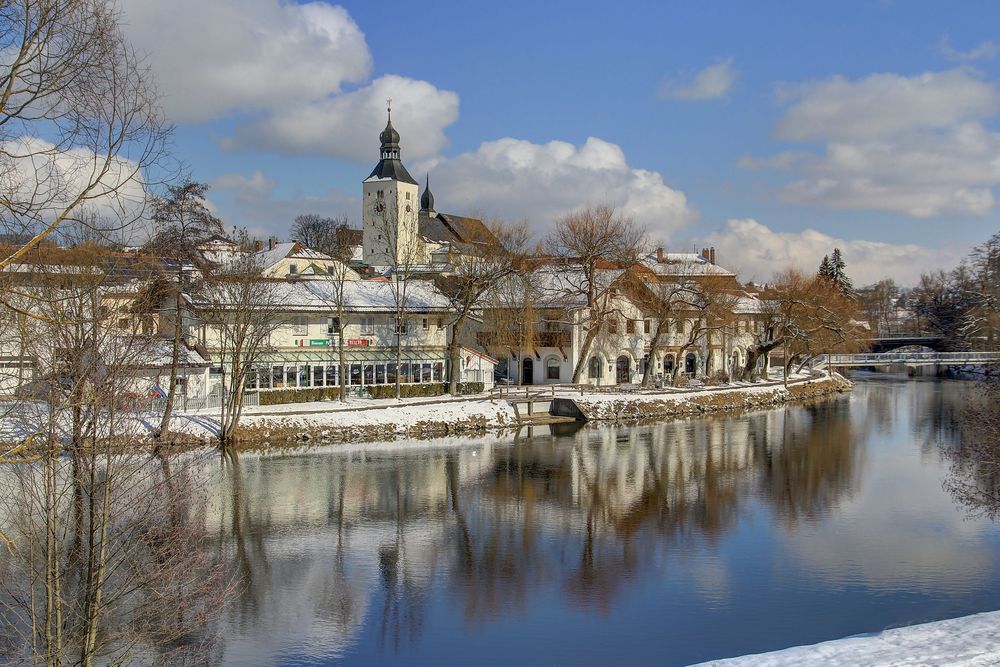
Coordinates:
<point>358,342</point>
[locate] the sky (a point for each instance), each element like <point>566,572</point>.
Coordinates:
<point>774,131</point>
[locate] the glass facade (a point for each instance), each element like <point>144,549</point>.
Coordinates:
<point>306,375</point>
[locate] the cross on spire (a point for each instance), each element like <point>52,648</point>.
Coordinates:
<point>388,106</point>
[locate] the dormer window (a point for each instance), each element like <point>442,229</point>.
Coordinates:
<point>293,269</point>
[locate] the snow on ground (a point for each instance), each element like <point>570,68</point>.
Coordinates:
<point>400,414</point>
<point>970,641</point>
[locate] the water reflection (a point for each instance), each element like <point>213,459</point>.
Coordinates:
<point>394,553</point>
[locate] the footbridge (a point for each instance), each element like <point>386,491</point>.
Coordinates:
<point>908,359</point>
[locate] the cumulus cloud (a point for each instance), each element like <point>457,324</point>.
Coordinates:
<point>348,125</point>
<point>914,145</point>
<point>758,252</point>
<point>711,83</point>
<point>46,180</point>
<point>214,58</point>
<point>516,179</point>
<point>285,70</point>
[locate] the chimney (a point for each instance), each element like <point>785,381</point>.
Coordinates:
<point>659,255</point>
<point>272,242</point>
<point>711,254</point>
<point>704,254</point>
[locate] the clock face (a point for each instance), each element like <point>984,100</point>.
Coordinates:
<point>408,209</point>
<point>379,207</point>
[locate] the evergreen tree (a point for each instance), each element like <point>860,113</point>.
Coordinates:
<point>824,268</point>
<point>833,268</point>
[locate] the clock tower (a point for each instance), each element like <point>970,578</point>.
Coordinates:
<point>389,213</point>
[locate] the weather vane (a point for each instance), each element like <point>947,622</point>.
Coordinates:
<point>388,105</point>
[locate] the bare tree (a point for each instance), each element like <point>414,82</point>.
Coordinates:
<point>705,308</point>
<point>183,223</point>
<point>332,236</point>
<point>592,247</point>
<point>99,533</point>
<point>476,270</point>
<point>80,128</point>
<point>241,310</point>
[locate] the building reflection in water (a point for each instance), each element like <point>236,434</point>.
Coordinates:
<point>339,548</point>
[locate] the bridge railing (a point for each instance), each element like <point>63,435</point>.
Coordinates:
<point>889,358</point>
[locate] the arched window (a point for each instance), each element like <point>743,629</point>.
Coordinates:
<point>690,363</point>
<point>668,364</point>
<point>595,367</point>
<point>552,368</point>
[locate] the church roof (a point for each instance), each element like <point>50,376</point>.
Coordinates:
<point>390,169</point>
<point>448,228</point>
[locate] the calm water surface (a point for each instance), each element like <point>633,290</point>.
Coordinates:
<point>671,543</point>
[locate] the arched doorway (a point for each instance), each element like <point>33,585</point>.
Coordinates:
<point>668,365</point>
<point>623,370</point>
<point>690,364</point>
<point>528,371</point>
<point>736,362</point>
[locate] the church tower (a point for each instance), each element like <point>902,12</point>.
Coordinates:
<point>389,214</point>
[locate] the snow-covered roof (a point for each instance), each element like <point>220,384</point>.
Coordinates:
<point>684,264</point>
<point>158,353</point>
<point>359,296</point>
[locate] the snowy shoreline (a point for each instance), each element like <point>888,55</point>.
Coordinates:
<point>967,641</point>
<point>361,421</point>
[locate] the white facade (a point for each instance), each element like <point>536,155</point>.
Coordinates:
<point>390,224</point>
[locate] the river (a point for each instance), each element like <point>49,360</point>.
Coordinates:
<point>669,543</point>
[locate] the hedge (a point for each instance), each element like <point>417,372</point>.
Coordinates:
<point>282,396</point>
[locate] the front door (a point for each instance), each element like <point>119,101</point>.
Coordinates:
<point>528,371</point>
<point>623,371</point>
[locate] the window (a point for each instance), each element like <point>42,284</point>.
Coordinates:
<point>552,369</point>
<point>647,326</point>
<point>331,376</point>
<point>293,269</point>
<point>424,324</point>
<point>629,326</point>
<point>438,371</point>
<point>407,196</point>
<point>400,326</point>
<point>595,368</point>
<point>440,323</point>
<point>367,326</point>
<point>301,326</point>
<point>613,326</point>
<point>317,376</point>
<point>333,327</point>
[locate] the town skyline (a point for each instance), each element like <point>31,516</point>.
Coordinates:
<point>774,135</point>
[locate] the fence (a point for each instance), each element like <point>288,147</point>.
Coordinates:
<point>210,402</point>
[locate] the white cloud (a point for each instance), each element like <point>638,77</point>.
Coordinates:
<point>883,105</point>
<point>759,252</point>
<point>985,51</point>
<point>280,68</point>
<point>215,58</point>
<point>46,179</point>
<point>914,145</point>
<point>348,125</point>
<point>516,179</point>
<point>711,83</point>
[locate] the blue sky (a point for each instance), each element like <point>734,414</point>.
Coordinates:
<point>772,130</point>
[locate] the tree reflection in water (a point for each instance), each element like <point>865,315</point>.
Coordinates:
<point>974,479</point>
<point>325,539</point>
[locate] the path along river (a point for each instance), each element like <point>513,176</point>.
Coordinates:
<point>669,543</point>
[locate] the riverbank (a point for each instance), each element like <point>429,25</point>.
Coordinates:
<point>361,421</point>
<point>969,640</point>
